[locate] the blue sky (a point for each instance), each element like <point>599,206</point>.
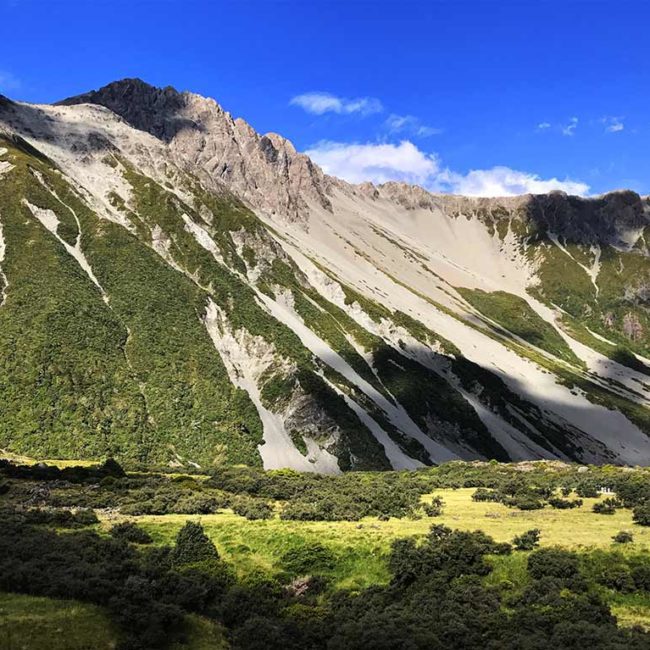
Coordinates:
<point>480,97</point>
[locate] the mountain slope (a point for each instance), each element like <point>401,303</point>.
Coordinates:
<point>177,288</point>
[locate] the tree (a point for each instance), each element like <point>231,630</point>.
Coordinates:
<point>193,545</point>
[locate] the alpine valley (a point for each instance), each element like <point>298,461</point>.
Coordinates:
<point>177,289</point>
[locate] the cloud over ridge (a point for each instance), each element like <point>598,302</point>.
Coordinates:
<point>404,161</point>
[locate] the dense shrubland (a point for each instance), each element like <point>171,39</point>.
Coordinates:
<point>437,596</point>
<point>440,592</point>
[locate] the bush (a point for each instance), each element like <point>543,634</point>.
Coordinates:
<point>193,545</point>
<point>564,504</point>
<point>641,577</point>
<point>130,532</point>
<point>110,467</point>
<point>555,563</point>
<point>61,518</point>
<point>587,490</point>
<point>527,541</point>
<point>309,558</point>
<point>252,509</point>
<point>606,506</point>
<point>433,509</point>
<point>623,537</point>
<point>616,577</point>
<point>641,514</point>
<point>524,502</point>
<point>486,495</point>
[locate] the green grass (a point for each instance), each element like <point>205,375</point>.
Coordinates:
<point>361,547</point>
<point>34,623</point>
<point>37,623</point>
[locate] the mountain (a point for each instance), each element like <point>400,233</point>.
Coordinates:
<point>179,289</point>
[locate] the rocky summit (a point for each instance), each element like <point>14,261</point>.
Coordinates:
<point>178,289</point>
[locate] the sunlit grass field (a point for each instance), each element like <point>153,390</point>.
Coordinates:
<point>361,547</point>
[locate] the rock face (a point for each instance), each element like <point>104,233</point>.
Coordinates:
<point>265,171</point>
<point>177,288</point>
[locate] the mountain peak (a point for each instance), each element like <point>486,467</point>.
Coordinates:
<point>266,171</point>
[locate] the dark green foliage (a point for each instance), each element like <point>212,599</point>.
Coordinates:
<point>527,541</point>
<point>587,489</point>
<point>435,508</point>
<point>308,558</point>
<point>564,504</point>
<point>558,564</point>
<point>130,532</point>
<point>193,545</point>
<point>437,596</point>
<point>606,506</point>
<point>110,467</point>
<point>641,514</point>
<point>252,509</point>
<point>623,537</point>
<point>60,518</point>
<point>486,495</point>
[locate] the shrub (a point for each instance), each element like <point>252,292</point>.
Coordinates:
<point>623,537</point>
<point>110,467</point>
<point>61,518</point>
<point>308,558</point>
<point>486,495</point>
<point>641,577</point>
<point>193,545</point>
<point>554,563</point>
<point>616,577</point>
<point>527,541</point>
<point>130,532</point>
<point>641,514</point>
<point>564,504</point>
<point>524,502</point>
<point>433,509</point>
<point>587,490</point>
<point>252,509</point>
<point>606,506</point>
<point>197,504</point>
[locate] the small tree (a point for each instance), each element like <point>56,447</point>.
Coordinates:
<point>527,541</point>
<point>110,467</point>
<point>193,545</point>
<point>623,537</point>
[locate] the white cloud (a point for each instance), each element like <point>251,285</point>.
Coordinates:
<point>320,103</point>
<point>8,81</point>
<point>570,128</point>
<point>410,124</point>
<point>503,181</point>
<point>379,163</point>
<point>542,126</point>
<point>613,124</point>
